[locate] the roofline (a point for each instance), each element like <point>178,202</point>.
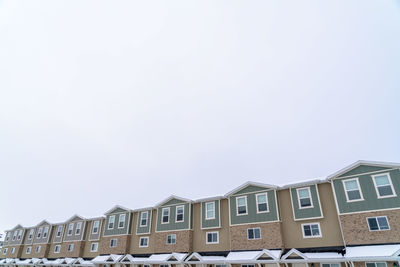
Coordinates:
<point>209,199</point>
<point>304,183</point>
<point>362,162</point>
<point>247,184</point>
<point>159,204</point>
<point>117,206</point>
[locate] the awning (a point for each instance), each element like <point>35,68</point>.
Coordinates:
<point>196,258</point>
<point>82,262</point>
<point>52,262</point>
<point>107,259</point>
<point>373,253</point>
<point>258,256</point>
<point>295,256</point>
<point>22,262</point>
<point>172,258</point>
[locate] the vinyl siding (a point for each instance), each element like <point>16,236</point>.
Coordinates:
<point>305,213</point>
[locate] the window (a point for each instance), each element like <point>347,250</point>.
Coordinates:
<point>253,233</point>
<point>45,232</point>
<point>70,247</point>
<point>38,249</point>
<point>95,228</point>
<point>304,198</point>
<point>59,230</point>
<point>210,210</point>
<point>241,203</point>
<point>171,239</point>
<point>28,250</point>
<point>375,264</point>
<point>70,228</point>
<point>19,235</point>
<point>15,235</point>
<point>165,215</point>
<point>39,234</point>
<point>262,205</point>
<point>121,221</point>
<point>179,214</point>
<point>94,247</point>
<point>5,251</point>
<point>221,265</point>
<point>311,230</point>
<point>212,238</point>
<point>247,265</point>
<point>143,218</point>
<point>378,223</point>
<point>8,236</point>
<point>113,243</point>
<point>352,188</point>
<point>164,265</point>
<point>78,228</point>
<point>383,185</point>
<point>111,221</point>
<point>144,242</point>
<point>330,265</point>
<point>30,234</point>
<point>57,249</point>
<point>12,250</point>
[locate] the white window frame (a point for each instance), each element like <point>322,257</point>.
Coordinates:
<point>19,235</point>
<point>116,242</point>
<point>298,197</point>
<point>109,222</point>
<point>97,247</point>
<point>28,250</point>
<point>8,236</point>
<point>141,218</point>
<point>172,235</point>
<point>376,218</point>
<point>31,234</point>
<point>359,188</point>
<point>70,247</point>
<point>390,183</point>
<point>211,233</point>
<point>330,264</point>
<point>123,215</point>
<point>375,263</point>
<point>205,210</point>
<point>253,228</point>
<point>37,249</point>
<point>39,233</point>
<point>94,227</point>
<point>70,228</point>
<point>12,250</point>
<point>14,235</point>
<point>237,206</point>
<point>5,251</point>
<point>78,228</point>
<point>247,265</point>
<point>144,238</point>
<point>312,236</point>
<point>183,213</point>
<point>59,230</point>
<point>266,202</point>
<point>55,248</point>
<point>162,215</point>
<point>45,232</point>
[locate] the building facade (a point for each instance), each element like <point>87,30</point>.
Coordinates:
<point>350,218</point>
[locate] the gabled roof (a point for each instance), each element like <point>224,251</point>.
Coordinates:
<point>293,251</point>
<point>172,197</point>
<point>303,183</point>
<point>16,227</point>
<point>116,207</point>
<point>197,258</point>
<point>75,216</point>
<point>104,259</point>
<point>249,183</point>
<point>204,199</point>
<point>312,256</point>
<point>42,222</point>
<point>363,162</point>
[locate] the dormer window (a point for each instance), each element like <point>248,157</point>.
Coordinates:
<point>8,236</point>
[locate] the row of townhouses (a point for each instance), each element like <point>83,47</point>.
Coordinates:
<point>349,219</point>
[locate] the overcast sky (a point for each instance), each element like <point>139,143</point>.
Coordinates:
<point>128,102</point>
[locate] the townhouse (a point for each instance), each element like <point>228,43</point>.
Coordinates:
<point>348,219</point>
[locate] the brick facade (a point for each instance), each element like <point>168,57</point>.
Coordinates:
<point>183,242</point>
<point>121,248</point>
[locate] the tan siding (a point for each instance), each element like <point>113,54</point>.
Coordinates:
<point>134,242</point>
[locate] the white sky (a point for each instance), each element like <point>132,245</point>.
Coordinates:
<point>127,102</point>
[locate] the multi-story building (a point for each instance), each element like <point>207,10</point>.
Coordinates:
<point>349,219</point>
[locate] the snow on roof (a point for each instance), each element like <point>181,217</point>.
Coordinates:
<point>323,255</point>
<point>375,251</point>
<point>22,262</point>
<point>205,259</point>
<point>237,189</point>
<point>363,162</point>
<point>303,183</point>
<point>170,198</point>
<point>107,258</point>
<point>240,256</point>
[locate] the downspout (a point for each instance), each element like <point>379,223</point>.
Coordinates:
<point>337,211</point>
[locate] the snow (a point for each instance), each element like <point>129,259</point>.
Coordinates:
<point>251,255</point>
<point>323,255</point>
<point>106,258</point>
<point>372,251</point>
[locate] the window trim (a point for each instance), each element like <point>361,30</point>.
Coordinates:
<point>31,234</point>
<point>57,246</point>
<point>375,262</point>
<point>140,242</point>
<point>116,242</point>
<point>70,246</point>
<point>253,228</point>
<point>93,227</point>
<point>205,210</point>
<point>38,248</point>
<point>78,228</point>
<point>119,221</point>
<point>312,236</point>
<point>12,250</point>
<point>376,217</point>
<point>359,188</point>
<point>108,222</point>
<point>183,213</point>
<point>45,232</point>
<point>30,250</point>
<point>162,215</point>
<point>72,229</point>
<point>19,236</point>
<point>91,246</point>
<point>308,188</point>
<point>141,218</point>
<point>5,250</point>
<point>39,233</point>
<point>266,202</point>
<point>59,230</point>
<point>237,206</point>
<point>213,232</point>
<point>171,239</point>
<point>390,183</point>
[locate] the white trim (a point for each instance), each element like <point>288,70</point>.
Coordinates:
<point>70,247</point>
<point>310,196</point>
<point>171,239</point>
<point>375,263</point>
<point>205,210</point>
<point>214,232</point>
<point>158,205</point>
<point>55,248</point>
<point>144,238</point>
<point>116,242</point>
<point>92,227</point>
<point>119,221</point>
<point>78,228</point>
<point>363,162</point>
<point>266,202</point>
<point>30,250</point>
<point>310,224</point>
<point>162,215</point>
<point>110,211</point>
<point>319,200</point>
<point>249,183</point>
<point>254,228</point>
<point>108,222</point>
<point>68,229</point>
<point>237,206</point>
<point>390,183</point>
<point>183,214</point>
<point>141,218</point>
<point>149,222</point>
<point>99,232</point>
<point>359,189</point>
<point>91,247</point>
<point>376,218</point>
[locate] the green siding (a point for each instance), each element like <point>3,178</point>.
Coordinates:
<point>144,229</point>
<point>172,225</point>
<point>363,169</point>
<point>117,210</point>
<point>173,201</point>
<point>213,223</point>
<point>313,212</point>
<point>252,215</point>
<point>371,201</point>
<point>250,189</point>
<point>116,230</point>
